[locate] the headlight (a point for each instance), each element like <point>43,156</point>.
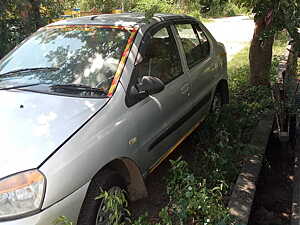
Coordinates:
<point>21,193</point>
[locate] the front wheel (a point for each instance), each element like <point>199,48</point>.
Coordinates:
<point>93,210</point>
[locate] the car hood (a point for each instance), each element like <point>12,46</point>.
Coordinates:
<point>33,125</point>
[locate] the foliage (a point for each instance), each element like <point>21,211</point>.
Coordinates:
<point>69,4</point>
<point>198,202</point>
<point>155,6</point>
<point>193,8</point>
<point>271,16</point>
<point>115,205</point>
<point>222,8</point>
<point>298,69</point>
<point>105,6</point>
<point>191,201</point>
<point>282,14</point>
<point>19,18</point>
<point>62,220</point>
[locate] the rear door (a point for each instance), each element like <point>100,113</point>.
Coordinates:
<point>158,117</point>
<point>198,54</point>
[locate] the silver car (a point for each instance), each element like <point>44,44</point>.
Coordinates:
<point>100,101</point>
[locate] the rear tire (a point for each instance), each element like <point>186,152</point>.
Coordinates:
<point>107,180</point>
<point>217,103</point>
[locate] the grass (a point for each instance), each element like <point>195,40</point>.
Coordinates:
<point>280,44</point>
<point>239,68</point>
<point>298,68</point>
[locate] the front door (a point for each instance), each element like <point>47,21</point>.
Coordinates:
<point>158,117</point>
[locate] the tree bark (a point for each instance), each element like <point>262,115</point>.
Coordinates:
<point>291,68</point>
<point>35,13</point>
<point>260,55</point>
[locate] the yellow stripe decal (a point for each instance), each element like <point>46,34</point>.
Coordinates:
<point>122,64</point>
<point>174,147</point>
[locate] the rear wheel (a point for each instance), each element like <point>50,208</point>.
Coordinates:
<point>217,102</point>
<point>221,98</point>
<point>94,212</point>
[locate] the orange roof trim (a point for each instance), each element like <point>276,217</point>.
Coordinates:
<point>90,26</point>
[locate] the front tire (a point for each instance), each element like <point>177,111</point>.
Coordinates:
<point>90,210</point>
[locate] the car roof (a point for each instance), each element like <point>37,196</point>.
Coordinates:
<point>122,19</point>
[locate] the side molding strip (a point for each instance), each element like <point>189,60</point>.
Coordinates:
<point>181,121</point>
<point>174,147</point>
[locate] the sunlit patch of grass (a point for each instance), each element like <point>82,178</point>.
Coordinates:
<point>280,44</point>
<point>239,60</point>
<point>239,68</point>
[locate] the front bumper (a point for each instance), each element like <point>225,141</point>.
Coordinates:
<point>69,207</point>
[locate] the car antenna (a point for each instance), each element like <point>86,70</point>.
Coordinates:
<point>93,17</point>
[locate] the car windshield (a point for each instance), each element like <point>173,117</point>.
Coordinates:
<point>69,55</point>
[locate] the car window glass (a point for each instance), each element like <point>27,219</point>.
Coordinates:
<point>191,43</point>
<point>204,49</point>
<point>161,58</point>
<point>163,33</point>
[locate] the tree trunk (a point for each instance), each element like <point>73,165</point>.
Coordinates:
<point>35,14</point>
<point>31,16</point>
<point>291,68</point>
<point>260,55</point>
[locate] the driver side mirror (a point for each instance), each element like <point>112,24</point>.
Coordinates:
<point>150,85</point>
<point>147,86</point>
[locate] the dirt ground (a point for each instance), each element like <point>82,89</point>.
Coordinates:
<point>272,203</point>
<point>156,185</point>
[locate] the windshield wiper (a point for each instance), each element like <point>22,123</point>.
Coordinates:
<point>78,87</point>
<point>19,86</point>
<point>30,69</point>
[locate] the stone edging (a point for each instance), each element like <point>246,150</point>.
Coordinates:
<point>241,200</point>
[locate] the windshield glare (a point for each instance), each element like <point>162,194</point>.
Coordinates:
<point>88,56</point>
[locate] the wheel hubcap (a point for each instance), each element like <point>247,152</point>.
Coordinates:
<point>104,213</point>
<point>217,103</point>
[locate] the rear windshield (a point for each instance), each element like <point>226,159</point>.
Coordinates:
<point>73,55</point>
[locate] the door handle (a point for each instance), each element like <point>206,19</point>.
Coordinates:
<point>186,89</point>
